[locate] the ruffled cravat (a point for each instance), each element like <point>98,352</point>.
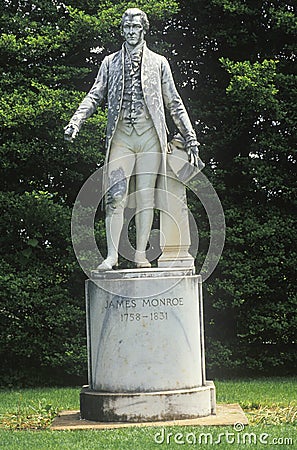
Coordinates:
<point>135,56</point>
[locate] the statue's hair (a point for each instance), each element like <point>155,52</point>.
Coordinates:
<point>132,12</point>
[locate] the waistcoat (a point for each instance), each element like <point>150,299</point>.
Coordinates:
<point>134,113</point>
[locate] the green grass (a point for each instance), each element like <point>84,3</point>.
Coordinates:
<point>271,405</point>
<point>61,398</point>
<point>262,391</point>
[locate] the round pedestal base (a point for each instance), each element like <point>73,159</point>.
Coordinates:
<point>148,406</point>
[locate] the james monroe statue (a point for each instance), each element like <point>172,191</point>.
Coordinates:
<point>137,84</point>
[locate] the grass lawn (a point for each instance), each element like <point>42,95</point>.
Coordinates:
<point>270,403</point>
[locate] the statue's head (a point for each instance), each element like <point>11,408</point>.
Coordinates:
<point>134,26</point>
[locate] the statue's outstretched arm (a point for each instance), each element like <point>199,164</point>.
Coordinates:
<point>88,106</point>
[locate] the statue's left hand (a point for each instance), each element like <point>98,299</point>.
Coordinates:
<point>193,154</point>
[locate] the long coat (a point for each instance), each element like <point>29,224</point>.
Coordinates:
<point>158,90</point>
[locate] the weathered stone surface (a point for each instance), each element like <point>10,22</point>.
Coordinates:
<point>144,332</point>
<point>175,239</point>
<point>165,405</point>
<point>145,347</point>
<point>226,414</point>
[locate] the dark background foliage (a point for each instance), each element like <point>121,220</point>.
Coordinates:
<point>233,62</point>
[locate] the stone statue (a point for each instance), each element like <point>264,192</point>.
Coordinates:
<point>137,83</point>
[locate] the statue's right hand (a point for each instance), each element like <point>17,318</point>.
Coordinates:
<point>70,132</point>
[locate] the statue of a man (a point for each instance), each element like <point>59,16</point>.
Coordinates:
<point>137,84</point>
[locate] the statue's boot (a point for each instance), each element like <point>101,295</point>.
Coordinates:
<point>143,220</point>
<point>108,264</point>
<point>141,261</point>
<point>114,225</point>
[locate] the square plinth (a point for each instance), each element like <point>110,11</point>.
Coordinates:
<point>226,414</point>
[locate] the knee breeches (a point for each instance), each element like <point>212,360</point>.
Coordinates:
<point>133,155</point>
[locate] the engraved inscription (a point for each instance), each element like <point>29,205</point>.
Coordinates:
<point>163,302</point>
<point>124,303</point>
<point>131,317</point>
<point>143,309</point>
<point>120,303</point>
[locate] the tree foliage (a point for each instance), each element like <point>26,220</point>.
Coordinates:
<point>234,65</point>
<point>49,53</point>
<point>237,60</point>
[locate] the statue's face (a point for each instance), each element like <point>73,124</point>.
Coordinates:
<point>133,30</point>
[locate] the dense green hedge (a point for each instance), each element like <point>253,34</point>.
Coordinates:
<point>234,67</point>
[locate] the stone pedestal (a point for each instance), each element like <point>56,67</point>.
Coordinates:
<point>145,347</point>
<point>175,237</point>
